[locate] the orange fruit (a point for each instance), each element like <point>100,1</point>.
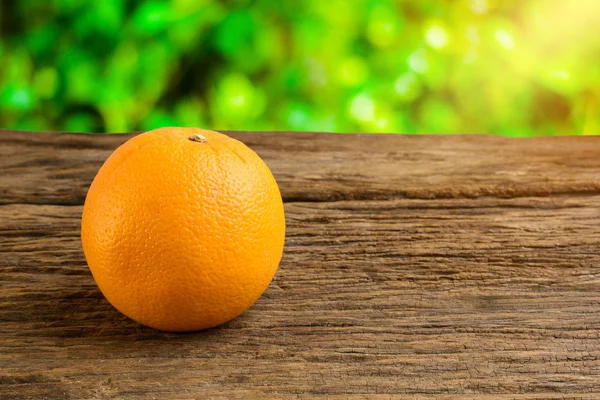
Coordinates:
<point>183,228</point>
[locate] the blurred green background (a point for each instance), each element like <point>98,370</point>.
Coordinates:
<point>517,68</point>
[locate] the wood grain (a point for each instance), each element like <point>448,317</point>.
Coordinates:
<point>58,168</point>
<point>389,291</point>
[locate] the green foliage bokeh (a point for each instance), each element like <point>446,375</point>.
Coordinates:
<point>409,66</point>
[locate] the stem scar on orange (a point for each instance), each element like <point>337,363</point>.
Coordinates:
<point>183,228</point>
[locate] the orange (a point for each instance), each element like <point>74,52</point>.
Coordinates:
<point>183,228</point>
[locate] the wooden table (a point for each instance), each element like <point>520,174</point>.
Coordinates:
<point>442,267</point>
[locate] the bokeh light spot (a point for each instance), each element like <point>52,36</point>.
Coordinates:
<point>437,37</point>
<point>383,26</point>
<point>407,87</point>
<point>560,74</point>
<point>470,57</point>
<point>418,61</point>
<point>236,92</point>
<point>19,98</point>
<point>472,34</point>
<point>382,123</point>
<point>236,100</point>
<point>362,108</point>
<point>505,39</point>
<point>298,118</point>
<point>152,16</point>
<point>316,71</point>
<point>479,6</point>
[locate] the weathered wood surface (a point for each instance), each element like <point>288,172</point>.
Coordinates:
<point>462,267</point>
